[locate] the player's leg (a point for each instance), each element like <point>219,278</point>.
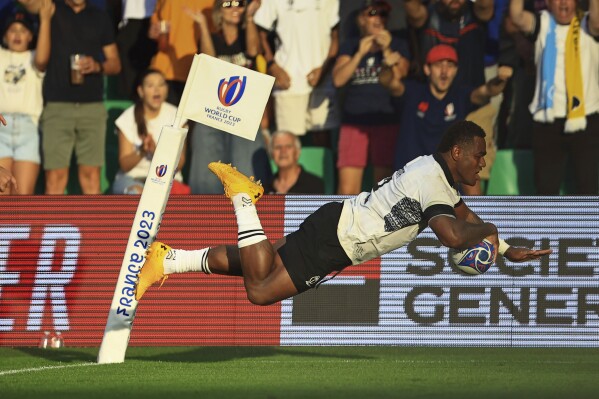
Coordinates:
<point>224,259</point>
<point>294,264</point>
<point>266,279</point>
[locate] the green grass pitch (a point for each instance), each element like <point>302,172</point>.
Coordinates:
<point>302,372</point>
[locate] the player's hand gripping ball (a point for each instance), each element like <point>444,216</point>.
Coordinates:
<point>476,259</point>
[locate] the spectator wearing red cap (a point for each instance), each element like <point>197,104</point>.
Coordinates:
<point>21,99</point>
<point>369,123</point>
<point>427,109</point>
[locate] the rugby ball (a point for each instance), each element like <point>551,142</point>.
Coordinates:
<point>474,260</point>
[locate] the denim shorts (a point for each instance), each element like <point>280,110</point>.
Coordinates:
<point>20,139</point>
<point>122,184</point>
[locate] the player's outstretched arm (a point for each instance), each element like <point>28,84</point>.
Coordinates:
<point>521,254</point>
<point>513,254</point>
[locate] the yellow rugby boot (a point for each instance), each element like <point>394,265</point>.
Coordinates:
<point>152,269</point>
<point>235,182</point>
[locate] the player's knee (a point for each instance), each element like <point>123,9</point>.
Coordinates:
<point>259,296</point>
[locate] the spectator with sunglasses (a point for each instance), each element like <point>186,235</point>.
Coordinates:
<point>369,124</point>
<point>236,41</point>
<point>306,47</point>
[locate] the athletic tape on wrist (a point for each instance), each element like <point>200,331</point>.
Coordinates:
<point>503,246</point>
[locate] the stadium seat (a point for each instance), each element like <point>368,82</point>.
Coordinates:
<point>112,89</point>
<point>512,173</point>
<point>319,161</point>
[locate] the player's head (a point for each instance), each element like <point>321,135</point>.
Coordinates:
<point>463,146</point>
<point>285,149</point>
<point>441,67</point>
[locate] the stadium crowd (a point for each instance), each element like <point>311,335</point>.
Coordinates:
<point>373,82</point>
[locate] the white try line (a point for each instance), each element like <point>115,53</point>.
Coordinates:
<point>42,368</point>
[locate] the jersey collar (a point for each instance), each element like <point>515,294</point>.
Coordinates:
<point>445,168</point>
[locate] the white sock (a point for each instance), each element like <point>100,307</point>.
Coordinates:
<point>249,228</point>
<point>180,261</point>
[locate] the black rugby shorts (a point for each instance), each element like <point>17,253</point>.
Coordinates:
<point>314,251</point>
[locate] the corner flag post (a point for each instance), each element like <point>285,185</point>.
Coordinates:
<point>143,232</point>
<point>225,96</point>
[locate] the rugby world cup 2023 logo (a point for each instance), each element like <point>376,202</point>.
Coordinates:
<point>160,173</point>
<point>161,170</point>
<point>230,91</point>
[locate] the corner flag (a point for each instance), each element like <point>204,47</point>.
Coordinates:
<point>225,96</point>
<point>218,94</point>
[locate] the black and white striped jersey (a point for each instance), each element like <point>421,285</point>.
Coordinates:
<point>392,214</point>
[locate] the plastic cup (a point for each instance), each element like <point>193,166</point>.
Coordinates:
<point>77,77</point>
<point>165,28</point>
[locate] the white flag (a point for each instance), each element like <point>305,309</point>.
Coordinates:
<point>225,96</point>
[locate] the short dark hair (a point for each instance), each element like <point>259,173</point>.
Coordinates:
<point>460,133</point>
